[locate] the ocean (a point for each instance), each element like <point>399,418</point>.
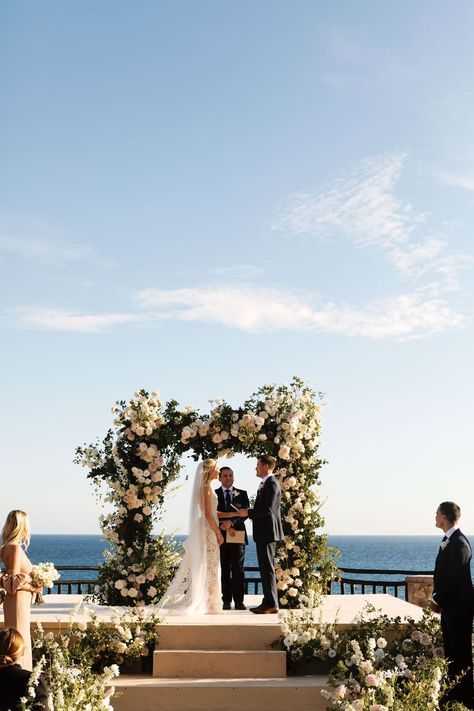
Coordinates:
<point>384,552</point>
<point>415,553</point>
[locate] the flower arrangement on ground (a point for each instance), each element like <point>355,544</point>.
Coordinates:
<point>73,685</point>
<point>139,461</point>
<point>387,663</point>
<point>126,638</point>
<point>306,637</point>
<point>379,663</point>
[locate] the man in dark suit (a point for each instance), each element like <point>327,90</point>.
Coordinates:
<point>229,498</point>
<point>453,597</point>
<point>267,531</point>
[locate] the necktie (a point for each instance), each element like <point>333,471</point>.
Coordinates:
<point>445,538</point>
<point>228,499</point>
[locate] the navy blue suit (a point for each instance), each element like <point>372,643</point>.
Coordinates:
<point>267,531</point>
<point>233,554</point>
<point>454,594</point>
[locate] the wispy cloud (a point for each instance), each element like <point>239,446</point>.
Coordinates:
<point>465,182</point>
<point>40,244</point>
<point>260,310</point>
<point>66,320</point>
<point>361,206</point>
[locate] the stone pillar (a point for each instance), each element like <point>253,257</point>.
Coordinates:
<point>419,589</point>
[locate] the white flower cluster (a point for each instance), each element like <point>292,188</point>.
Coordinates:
<point>131,584</point>
<point>142,493</point>
<point>305,635</point>
<point>44,575</point>
<point>91,457</point>
<point>72,685</point>
<point>143,415</point>
<point>375,669</point>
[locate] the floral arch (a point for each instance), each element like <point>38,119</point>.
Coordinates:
<point>139,460</point>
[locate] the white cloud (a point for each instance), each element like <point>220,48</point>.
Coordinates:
<point>262,310</point>
<point>417,258</point>
<point>67,320</point>
<point>361,206</point>
<point>458,181</point>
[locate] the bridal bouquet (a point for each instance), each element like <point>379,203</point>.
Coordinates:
<point>43,575</point>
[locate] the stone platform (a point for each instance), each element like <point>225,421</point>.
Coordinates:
<point>220,662</point>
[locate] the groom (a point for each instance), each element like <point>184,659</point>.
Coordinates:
<point>267,531</point>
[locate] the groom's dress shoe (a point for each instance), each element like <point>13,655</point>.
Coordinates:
<point>265,610</point>
<point>240,606</point>
<point>253,609</point>
<point>226,606</point>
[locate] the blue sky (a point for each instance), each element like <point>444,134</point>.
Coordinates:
<point>201,198</point>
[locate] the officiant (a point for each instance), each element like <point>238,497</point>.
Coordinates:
<point>232,551</point>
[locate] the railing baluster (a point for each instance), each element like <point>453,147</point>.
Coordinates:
<point>343,586</point>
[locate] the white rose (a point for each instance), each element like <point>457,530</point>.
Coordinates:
<point>292,592</point>
<point>124,592</point>
<point>284,451</point>
<point>371,680</point>
<point>120,584</point>
<point>133,592</point>
<point>152,592</point>
<point>340,692</point>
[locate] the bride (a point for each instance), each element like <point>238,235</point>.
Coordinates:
<point>195,589</point>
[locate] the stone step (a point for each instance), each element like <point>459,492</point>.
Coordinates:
<point>219,664</point>
<point>215,637</point>
<point>149,694</point>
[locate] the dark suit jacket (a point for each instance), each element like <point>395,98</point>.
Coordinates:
<point>452,577</point>
<point>240,500</point>
<point>265,515</point>
<point>14,685</point>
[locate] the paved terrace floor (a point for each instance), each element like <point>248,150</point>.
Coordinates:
<point>344,608</point>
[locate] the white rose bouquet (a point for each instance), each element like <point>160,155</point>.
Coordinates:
<point>43,575</point>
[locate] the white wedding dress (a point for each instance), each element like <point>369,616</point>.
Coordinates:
<point>195,589</point>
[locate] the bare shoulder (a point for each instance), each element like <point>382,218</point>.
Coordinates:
<point>10,551</point>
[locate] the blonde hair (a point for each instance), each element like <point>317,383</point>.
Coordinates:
<point>16,529</point>
<point>208,466</point>
<point>12,646</point>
